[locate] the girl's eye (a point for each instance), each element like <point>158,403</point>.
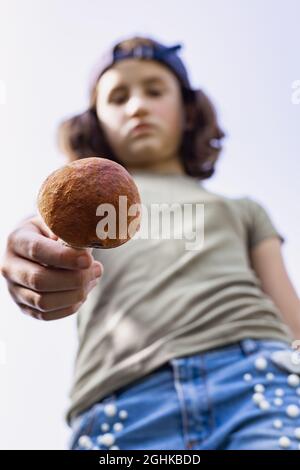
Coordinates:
<point>154,92</point>
<point>119,99</point>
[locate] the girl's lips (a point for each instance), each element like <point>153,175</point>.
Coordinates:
<point>142,128</point>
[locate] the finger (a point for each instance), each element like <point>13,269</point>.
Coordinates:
<point>36,247</point>
<point>42,227</point>
<point>46,279</point>
<point>91,285</point>
<point>47,302</point>
<point>37,224</point>
<point>55,315</point>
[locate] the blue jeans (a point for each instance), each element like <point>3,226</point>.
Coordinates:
<point>242,396</point>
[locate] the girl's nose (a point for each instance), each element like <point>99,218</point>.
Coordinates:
<point>136,105</point>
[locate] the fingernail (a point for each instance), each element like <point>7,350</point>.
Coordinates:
<point>97,270</point>
<point>83,262</point>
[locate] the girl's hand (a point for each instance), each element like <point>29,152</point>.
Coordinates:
<point>46,279</point>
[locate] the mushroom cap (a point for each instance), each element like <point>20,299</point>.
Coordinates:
<point>73,203</point>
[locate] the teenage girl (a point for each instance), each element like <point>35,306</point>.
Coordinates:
<point>178,348</point>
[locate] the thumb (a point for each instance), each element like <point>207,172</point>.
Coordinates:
<point>39,222</point>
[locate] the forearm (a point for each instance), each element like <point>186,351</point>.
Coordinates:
<point>268,263</point>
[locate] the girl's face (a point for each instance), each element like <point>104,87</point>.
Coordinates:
<point>133,93</point>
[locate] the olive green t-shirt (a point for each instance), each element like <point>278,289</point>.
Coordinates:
<point>158,300</point>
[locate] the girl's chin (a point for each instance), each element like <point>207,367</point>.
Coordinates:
<point>146,149</point>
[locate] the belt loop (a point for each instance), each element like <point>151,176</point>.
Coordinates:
<point>249,346</point>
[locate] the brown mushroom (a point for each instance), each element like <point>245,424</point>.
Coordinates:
<point>86,203</point>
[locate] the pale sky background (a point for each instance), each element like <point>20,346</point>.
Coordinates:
<point>243,53</point>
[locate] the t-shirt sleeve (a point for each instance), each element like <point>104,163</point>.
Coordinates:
<point>259,224</point>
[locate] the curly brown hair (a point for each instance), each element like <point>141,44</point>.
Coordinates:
<point>81,136</point>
